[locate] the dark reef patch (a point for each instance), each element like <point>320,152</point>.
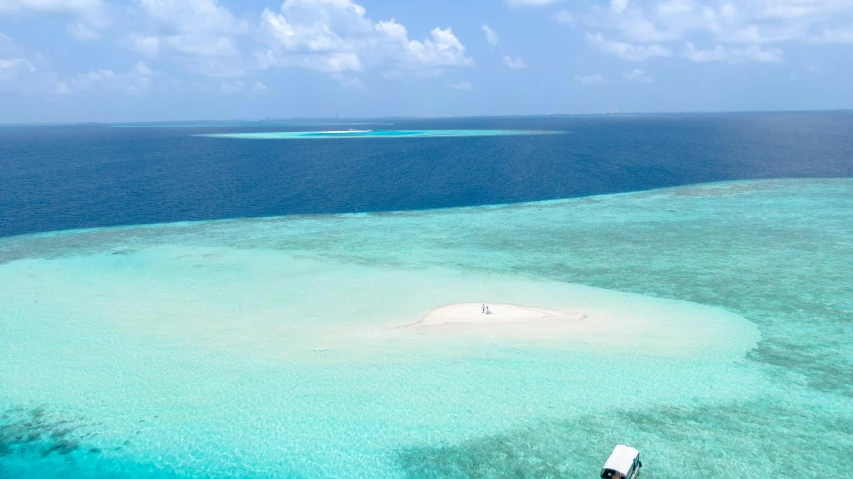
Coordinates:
<point>690,440</point>
<point>34,432</point>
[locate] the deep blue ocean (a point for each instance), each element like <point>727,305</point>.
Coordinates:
<point>707,325</point>
<point>64,177</point>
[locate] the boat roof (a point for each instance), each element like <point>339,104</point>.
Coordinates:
<point>621,459</point>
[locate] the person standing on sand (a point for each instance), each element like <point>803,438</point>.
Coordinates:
<point>484,308</point>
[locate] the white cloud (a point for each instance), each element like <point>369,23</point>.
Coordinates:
<point>336,36</point>
<point>196,28</point>
<point>200,45</point>
<point>718,53</point>
<point>727,21</point>
<point>638,76</point>
<point>835,35</point>
<point>10,68</point>
<point>758,54</point>
<point>443,50</point>
<point>627,51</point>
<point>91,10</point>
<point>137,81</point>
<point>146,45</point>
<point>618,6</point>
<point>90,14</point>
<point>19,66</point>
<point>563,17</point>
<point>193,16</point>
<point>83,32</point>
<point>330,62</point>
<point>515,63</point>
<point>491,35</point>
<point>216,67</point>
<point>753,53</point>
<point>463,85</point>
<point>232,87</point>
<point>591,79</point>
<point>49,6</point>
<point>530,3</point>
<point>348,81</point>
<point>61,88</point>
<point>260,87</point>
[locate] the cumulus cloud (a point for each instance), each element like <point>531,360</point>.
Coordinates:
<point>193,16</point>
<point>203,34</point>
<point>92,10</point>
<point>835,35</point>
<point>49,6</point>
<point>638,76</point>
<point>745,21</point>
<point>564,17</point>
<point>590,79</point>
<point>530,3</point>
<point>627,51</point>
<point>201,28</point>
<point>462,85</point>
<point>19,66</point>
<point>260,87</point>
<point>718,53</point>
<point>491,35</point>
<point>515,63</point>
<point>83,32</point>
<point>90,15</point>
<point>336,36</point>
<point>754,53</point>
<point>741,31</point>
<point>618,6</point>
<point>231,87</point>
<point>10,68</point>
<point>146,45</point>
<point>758,54</point>
<point>137,81</point>
<point>348,81</point>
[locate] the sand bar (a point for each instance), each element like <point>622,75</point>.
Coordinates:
<point>472,314</point>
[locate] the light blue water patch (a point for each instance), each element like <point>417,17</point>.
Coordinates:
<point>215,124</point>
<point>716,341</point>
<point>296,135</point>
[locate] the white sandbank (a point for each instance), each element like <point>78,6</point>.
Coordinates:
<point>337,132</point>
<point>472,313</point>
<point>630,323</point>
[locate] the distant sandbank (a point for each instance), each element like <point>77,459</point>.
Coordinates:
<point>331,134</point>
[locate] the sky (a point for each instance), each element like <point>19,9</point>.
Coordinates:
<point>171,60</point>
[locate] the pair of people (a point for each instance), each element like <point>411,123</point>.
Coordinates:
<point>485,310</point>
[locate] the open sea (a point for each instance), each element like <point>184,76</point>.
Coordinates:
<point>232,299</point>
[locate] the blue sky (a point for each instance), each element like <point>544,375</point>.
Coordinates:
<point>142,60</point>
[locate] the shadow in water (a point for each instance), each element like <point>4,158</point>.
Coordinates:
<point>34,432</point>
<point>740,440</point>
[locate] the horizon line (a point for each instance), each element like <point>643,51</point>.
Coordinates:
<point>332,120</point>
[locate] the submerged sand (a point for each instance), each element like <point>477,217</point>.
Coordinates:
<point>231,348</point>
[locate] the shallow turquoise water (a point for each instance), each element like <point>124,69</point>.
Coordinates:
<point>266,347</point>
<point>294,135</point>
<point>217,124</point>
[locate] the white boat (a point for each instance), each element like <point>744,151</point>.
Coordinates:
<point>623,463</point>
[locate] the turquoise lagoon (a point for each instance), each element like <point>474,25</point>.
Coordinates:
<point>273,348</point>
<point>296,135</point>
<point>229,124</point>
